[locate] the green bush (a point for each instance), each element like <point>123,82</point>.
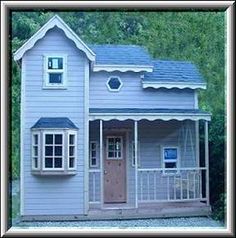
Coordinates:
<point>219,208</point>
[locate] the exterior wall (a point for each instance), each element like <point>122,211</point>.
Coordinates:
<point>52,195</point>
<point>132,95</point>
<point>152,135</point>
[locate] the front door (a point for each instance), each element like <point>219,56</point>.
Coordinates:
<point>114,170</point>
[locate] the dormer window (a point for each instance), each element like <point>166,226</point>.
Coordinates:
<point>114,84</point>
<point>55,71</point>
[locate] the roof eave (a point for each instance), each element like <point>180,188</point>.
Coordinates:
<point>170,85</point>
<point>54,21</point>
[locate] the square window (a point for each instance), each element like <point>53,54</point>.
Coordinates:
<point>58,150</point>
<point>48,150</point>
<point>170,165</point>
<point>55,78</point>
<point>49,139</point>
<point>55,63</point>
<point>170,154</point>
<point>49,162</point>
<point>58,162</point>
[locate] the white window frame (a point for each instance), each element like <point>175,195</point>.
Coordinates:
<point>48,71</point>
<point>133,157</point>
<point>68,150</point>
<point>177,161</point>
<point>54,132</point>
<point>111,89</point>
<point>90,154</point>
<point>32,151</point>
<point>121,150</point>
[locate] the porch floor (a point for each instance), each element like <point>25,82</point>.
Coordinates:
<point>150,210</point>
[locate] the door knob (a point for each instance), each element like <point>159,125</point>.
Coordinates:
<point>105,172</point>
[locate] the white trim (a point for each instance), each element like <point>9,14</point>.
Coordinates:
<point>56,132</point>
<point>169,85</point>
<point>68,150</point>
<point>207,163</point>
<point>149,116</point>
<point>133,154</point>
<point>22,134</point>
<point>46,84</point>
<point>111,89</point>
<point>86,136</point>
<point>54,21</point>
<point>101,162</point>
<point>122,68</point>
<point>136,161</point>
<point>32,151</point>
<point>197,143</point>
<point>90,154</point>
<point>195,99</point>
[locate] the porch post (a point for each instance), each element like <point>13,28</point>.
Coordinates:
<point>207,163</point>
<point>136,161</point>
<point>101,160</point>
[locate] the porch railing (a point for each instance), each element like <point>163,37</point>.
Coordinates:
<point>181,184</point>
<point>94,185</point>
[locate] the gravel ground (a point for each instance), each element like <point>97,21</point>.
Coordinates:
<point>195,222</point>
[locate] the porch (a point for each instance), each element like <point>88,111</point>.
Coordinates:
<point>152,188</point>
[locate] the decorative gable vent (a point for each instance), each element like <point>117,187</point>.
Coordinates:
<point>114,84</point>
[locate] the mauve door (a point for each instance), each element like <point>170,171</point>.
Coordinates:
<point>114,170</point>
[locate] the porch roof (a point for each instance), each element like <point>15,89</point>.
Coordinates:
<point>54,123</point>
<point>151,114</point>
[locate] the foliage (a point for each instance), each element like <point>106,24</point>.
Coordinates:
<point>196,36</point>
<point>219,208</point>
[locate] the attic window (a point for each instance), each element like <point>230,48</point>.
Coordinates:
<point>55,71</point>
<point>114,84</point>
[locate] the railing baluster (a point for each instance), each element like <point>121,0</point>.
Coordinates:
<point>94,186</point>
<point>168,188</point>
<point>155,185</point>
<point>200,184</point>
<point>187,184</point>
<point>181,187</point>
<point>141,181</point>
<point>194,184</point>
<point>174,188</point>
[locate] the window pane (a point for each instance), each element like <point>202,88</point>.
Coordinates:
<point>35,139</point>
<point>49,139</point>
<point>93,153</point>
<point>58,139</point>
<point>72,139</point>
<point>93,146</point>
<point>48,162</point>
<point>72,150</point>
<point>72,162</point>
<point>35,162</point>
<point>110,140</point>
<point>58,150</point>
<point>35,151</point>
<point>170,154</point>
<point>58,162</point>
<point>48,150</point>
<point>170,165</point>
<point>110,154</point>
<point>111,147</point>
<point>55,63</point>
<point>94,161</point>
<point>55,77</point>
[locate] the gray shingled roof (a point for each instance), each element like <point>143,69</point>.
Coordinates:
<point>121,55</point>
<point>173,71</point>
<point>54,122</point>
<point>146,110</point>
